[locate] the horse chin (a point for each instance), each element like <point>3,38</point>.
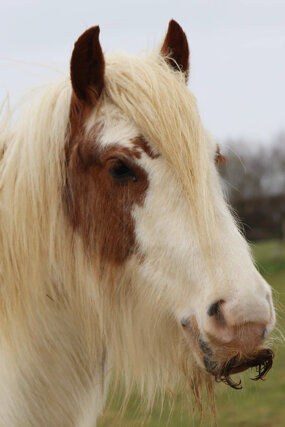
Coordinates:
<point>222,368</point>
<point>261,361</point>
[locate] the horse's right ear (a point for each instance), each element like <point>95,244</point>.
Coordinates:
<point>87,67</point>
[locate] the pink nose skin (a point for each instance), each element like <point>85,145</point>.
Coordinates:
<point>247,326</point>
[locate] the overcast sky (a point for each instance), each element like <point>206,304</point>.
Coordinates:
<point>237,51</point>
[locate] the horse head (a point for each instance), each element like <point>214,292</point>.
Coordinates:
<point>143,194</point>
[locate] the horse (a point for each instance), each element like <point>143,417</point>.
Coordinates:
<point>119,254</point>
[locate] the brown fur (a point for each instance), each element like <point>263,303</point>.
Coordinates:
<point>142,144</point>
<point>175,47</point>
<point>87,67</point>
<point>98,207</point>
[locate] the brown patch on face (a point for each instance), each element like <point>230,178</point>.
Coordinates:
<point>97,204</point>
<point>143,145</point>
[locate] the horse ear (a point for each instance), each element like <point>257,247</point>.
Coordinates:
<point>87,66</point>
<point>175,48</point>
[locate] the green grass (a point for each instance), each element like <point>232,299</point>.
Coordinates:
<point>260,404</point>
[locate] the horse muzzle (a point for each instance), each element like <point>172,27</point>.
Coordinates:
<point>222,359</point>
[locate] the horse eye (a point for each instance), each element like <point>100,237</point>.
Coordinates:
<point>122,172</point>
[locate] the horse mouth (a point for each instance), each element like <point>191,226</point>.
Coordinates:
<point>261,361</point>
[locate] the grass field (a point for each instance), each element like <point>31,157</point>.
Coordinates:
<point>260,404</point>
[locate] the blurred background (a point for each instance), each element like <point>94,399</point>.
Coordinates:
<point>237,74</point>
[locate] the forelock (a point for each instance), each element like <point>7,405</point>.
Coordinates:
<point>166,113</point>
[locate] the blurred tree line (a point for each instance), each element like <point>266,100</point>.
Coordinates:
<point>254,181</point>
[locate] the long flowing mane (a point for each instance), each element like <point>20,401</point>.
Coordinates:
<point>33,226</point>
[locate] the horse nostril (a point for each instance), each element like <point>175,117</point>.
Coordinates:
<point>214,309</point>
<point>233,321</point>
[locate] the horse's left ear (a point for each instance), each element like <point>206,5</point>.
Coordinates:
<point>87,67</point>
<point>175,48</point>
